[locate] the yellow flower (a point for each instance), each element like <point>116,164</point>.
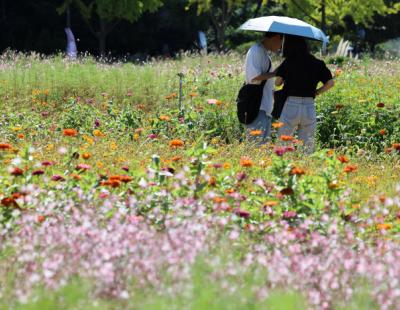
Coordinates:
<point>113,146</point>
<point>50,147</point>
<point>99,164</point>
<point>98,133</point>
<point>36,92</point>
<point>214,141</point>
<point>88,139</point>
<point>227,166</point>
<point>15,129</point>
<point>136,136</point>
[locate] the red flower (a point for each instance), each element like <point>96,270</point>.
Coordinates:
<point>297,171</point>
<point>16,171</point>
<point>5,146</point>
<point>343,159</point>
<point>9,202</point>
<point>57,178</point>
<point>380,105</point>
<point>242,213</point>
<point>287,191</point>
<point>69,132</point>
<point>37,172</point>
<point>350,168</point>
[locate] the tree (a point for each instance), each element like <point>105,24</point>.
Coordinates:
<point>102,16</point>
<point>220,13</point>
<point>333,13</point>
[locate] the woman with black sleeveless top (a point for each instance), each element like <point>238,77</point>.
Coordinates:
<point>300,73</point>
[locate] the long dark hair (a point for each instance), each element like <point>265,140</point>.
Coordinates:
<point>295,46</point>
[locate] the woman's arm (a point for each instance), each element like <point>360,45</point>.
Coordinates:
<point>264,76</point>
<point>328,85</point>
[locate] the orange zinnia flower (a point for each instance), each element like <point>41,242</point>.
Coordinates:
<point>86,155</point>
<point>277,124</point>
<point>192,95</point>
<point>297,171</point>
<point>256,133</point>
<point>165,118</point>
<point>396,146</point>
<point>246,162</point>
<point>343,159</point>
<point>330,153</point>
<point>384,226</point>
<point>69,132</point>
<point>176,143</point>
<point>5,146</point>
<point>219,199</point>
<point>382,132</point>
<point>212,181</point>
<point>350,168</point>
<point>126,178</point>
<point>271,203</point>
<point>286,138</point>
<point>176,158</point>
<point>41,218</point>
<point>171,96</point>
<point>98,133</point>
<point>112,183</point>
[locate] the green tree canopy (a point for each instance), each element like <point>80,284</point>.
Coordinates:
<point>328,13</point>
<point>220,13</point>
<point>102,16</point>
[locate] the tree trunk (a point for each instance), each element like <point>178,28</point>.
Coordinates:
<point>259,5</point>
<point>220,36</point>
<point>323,15</point>
<point>68,21</point>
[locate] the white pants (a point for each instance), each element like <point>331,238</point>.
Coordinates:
<point>300,112</point>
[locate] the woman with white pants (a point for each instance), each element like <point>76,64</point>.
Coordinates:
<point>300,73</point>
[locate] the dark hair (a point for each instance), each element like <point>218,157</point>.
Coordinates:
<point>272,34</point>
<point>294,46</point>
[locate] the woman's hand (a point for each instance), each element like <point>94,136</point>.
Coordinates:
<point>278,81</point>
<point>328,85</point>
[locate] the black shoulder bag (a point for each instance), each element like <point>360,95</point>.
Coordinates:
<point>279,102</point>
<point>249,101</point>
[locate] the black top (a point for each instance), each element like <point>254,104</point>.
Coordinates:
<point>302,74</point>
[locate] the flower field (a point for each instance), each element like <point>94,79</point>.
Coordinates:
<point>117,194</point>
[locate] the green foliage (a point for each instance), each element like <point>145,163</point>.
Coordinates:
<point>362,12</point>
<point>111,10</point>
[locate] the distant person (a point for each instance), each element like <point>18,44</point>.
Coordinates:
<point>258,68</point>
<point>300,73</point>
